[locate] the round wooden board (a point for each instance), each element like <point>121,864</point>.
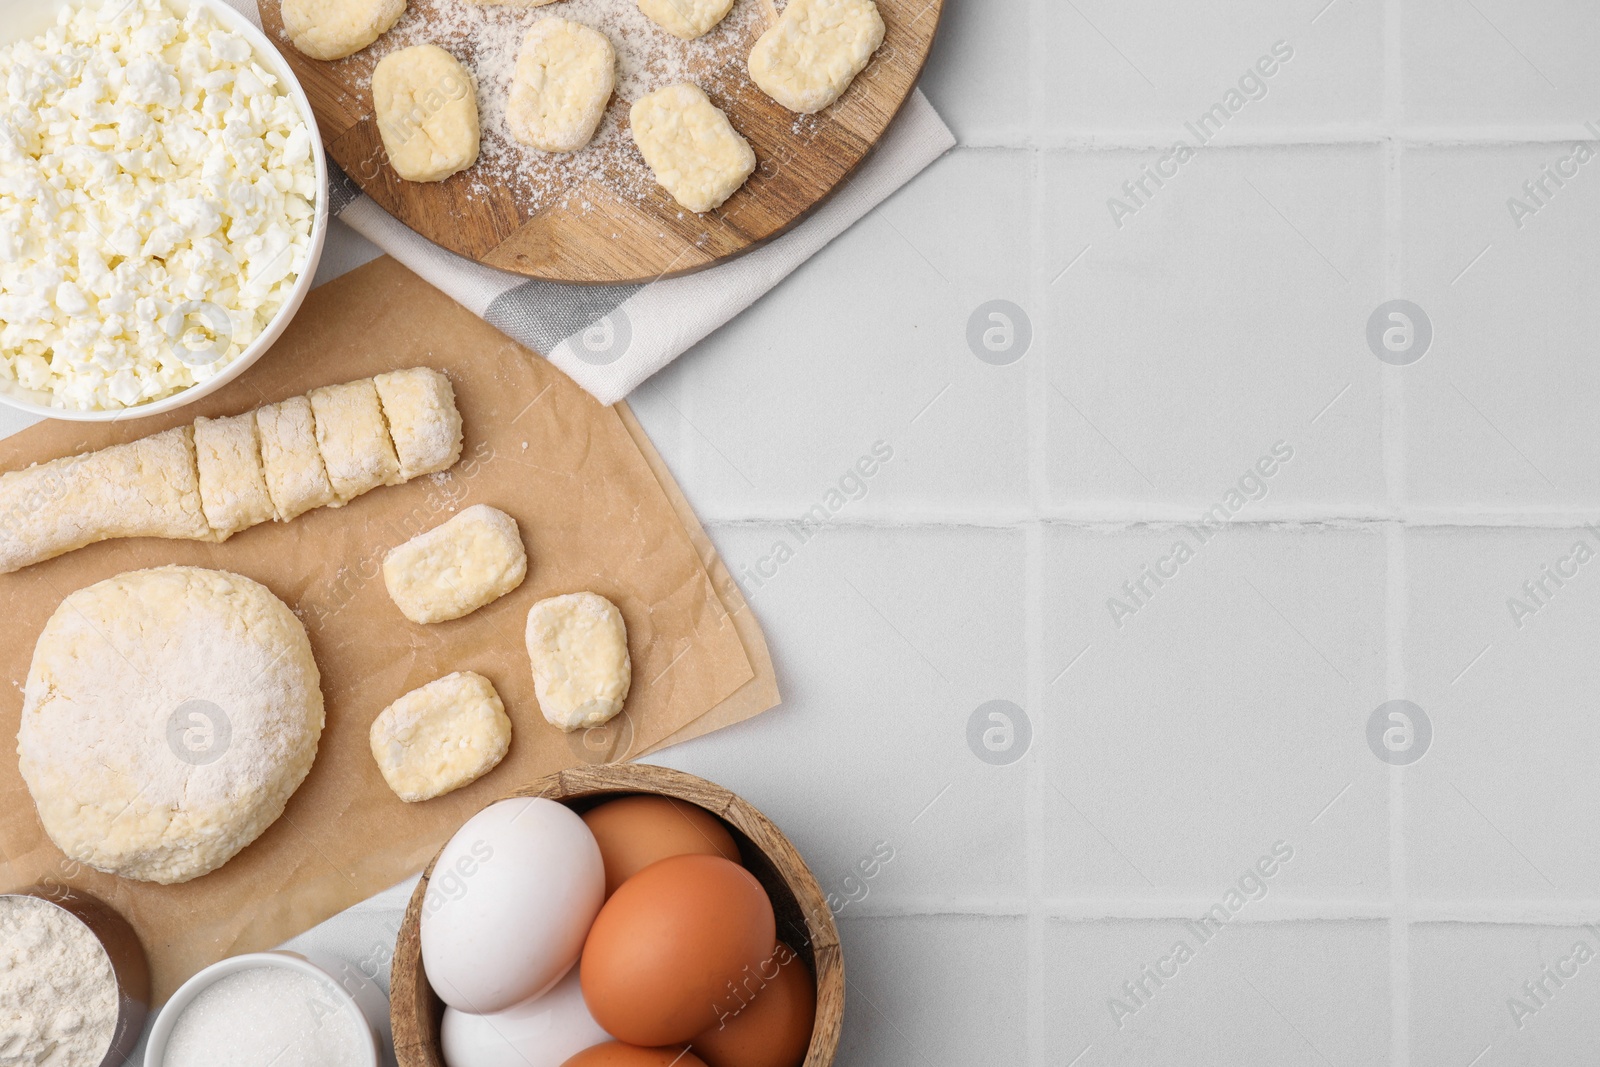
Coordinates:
<point>592,232</point>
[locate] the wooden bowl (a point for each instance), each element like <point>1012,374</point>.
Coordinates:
<point>805,921</point>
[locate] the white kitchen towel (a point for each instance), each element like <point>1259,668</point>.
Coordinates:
<point>608,339</point>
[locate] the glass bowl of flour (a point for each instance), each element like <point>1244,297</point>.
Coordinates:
<point>163,203</point>
<point>272,1008</point>
<point>74,981</point>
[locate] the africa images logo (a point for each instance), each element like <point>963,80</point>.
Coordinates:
<point>1538,192</point>
<point>999,732</point>
<point>1252,486</point>
<point>199,732</point>
<point>1138,192</point>
<point>1399,732</point>
<point>1537,592</point>
<point>1250,887</point>
<point>849,487</point>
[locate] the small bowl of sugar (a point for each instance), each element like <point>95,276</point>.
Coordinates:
<point>74,980</point>
<point>277,1008</point>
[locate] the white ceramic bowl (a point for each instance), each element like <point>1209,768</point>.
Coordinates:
<point>355,995</point>
<point>21,19</point>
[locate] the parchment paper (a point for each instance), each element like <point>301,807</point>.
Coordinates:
<point>598,510</point>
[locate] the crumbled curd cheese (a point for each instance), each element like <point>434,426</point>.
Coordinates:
<point>154,178</point>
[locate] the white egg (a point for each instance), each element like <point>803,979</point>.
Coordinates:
<point>509,904</point>
<point>541,1032</point>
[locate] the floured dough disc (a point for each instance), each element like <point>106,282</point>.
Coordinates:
<point>169,715</point>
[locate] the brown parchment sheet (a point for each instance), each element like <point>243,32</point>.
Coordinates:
<point>598,510</point>
<point>761,692</point>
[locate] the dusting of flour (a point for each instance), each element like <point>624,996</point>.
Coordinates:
<point>487,39</point>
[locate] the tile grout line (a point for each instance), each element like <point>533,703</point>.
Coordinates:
<point>1297,911</point>
<point>1396,602</point>
<point>1036,1048</point>
<point>1036,772</point>
<point>1397,607</point>
<point>1119,142</point>
<point>998,518</point>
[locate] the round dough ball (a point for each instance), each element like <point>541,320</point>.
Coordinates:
<point>168,716</point>
<point>333,29</point>
<point>427,110</point>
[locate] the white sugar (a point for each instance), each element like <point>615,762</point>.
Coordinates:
<point>488,38</point>
<point>268,1015</point>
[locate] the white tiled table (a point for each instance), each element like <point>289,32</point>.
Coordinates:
<point>1168,355</point>
<point>1230,711</point>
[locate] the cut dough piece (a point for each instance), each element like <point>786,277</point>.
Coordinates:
<point>457,567</point>
<point>427,112</point>
<point>146,488</point>
<point>565,75</point>
<point>353,438</point>
<point>233,485</point>
<point>420,406</point>
<point>581,670</point>
<point>333,29</point>
<point>686,18</point>
<point>691,147</point>
<point>809,57</point>
<point>438,738</point>
<point>296,478</point>
<point>168,716</point>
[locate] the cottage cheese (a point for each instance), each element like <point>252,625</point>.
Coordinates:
<point>157,193</point>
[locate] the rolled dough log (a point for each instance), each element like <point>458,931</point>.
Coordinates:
<point>146,488</point>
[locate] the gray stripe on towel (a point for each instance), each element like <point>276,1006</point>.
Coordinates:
<point>342,192</point>
<point>541,314</point>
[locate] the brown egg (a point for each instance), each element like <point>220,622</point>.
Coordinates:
<point>635,832</point>
<point>667,951</point>
<point>616,1054</point>
<point>773,1027</point>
